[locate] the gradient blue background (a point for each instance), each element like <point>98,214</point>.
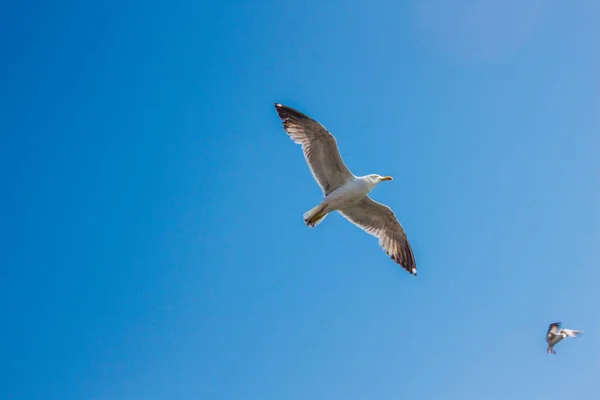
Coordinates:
<point>152,243</point>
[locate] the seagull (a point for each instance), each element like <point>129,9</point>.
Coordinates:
<point>343,191</point>
<point>555,334</point>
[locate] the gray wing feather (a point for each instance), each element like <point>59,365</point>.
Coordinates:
<point>553,328</point>
<point>319,146</point>
<point>379,220</point>
<point>571,332</point>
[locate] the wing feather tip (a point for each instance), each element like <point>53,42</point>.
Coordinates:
<point>407,268</point>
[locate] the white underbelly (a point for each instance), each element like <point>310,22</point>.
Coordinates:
<point>344,196</point>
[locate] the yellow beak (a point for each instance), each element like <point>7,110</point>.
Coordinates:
<point>387,178</point>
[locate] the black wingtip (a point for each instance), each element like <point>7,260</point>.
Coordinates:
<point>282,112</point>
<point>410,268</point>
<point>406,261</point>
<point>289,112</point>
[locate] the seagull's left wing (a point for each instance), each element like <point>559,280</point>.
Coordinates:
<point>553,328</point>
<point>379,220</point>
<point>552,332</point>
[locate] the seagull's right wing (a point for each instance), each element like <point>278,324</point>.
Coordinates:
<point>319,146</point>
<point>571,332</point>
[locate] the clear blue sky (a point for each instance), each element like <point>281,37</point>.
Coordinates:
<point>152,242</point>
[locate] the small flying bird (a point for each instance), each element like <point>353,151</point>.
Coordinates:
<point>555,334</point>
<point>343,191</point>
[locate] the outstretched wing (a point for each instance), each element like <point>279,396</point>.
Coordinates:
<point>571,332</point>
<point>319,146</point>
<point>379,220</point>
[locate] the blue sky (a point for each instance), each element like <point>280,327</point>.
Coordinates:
<point>151,219</point>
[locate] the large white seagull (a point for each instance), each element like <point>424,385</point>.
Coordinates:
<point>344,192</point>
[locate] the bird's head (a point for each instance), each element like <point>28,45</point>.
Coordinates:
<point>377,179</point>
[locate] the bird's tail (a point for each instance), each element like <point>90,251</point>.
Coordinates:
<point>551,350</point>
<point>315,215</point>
